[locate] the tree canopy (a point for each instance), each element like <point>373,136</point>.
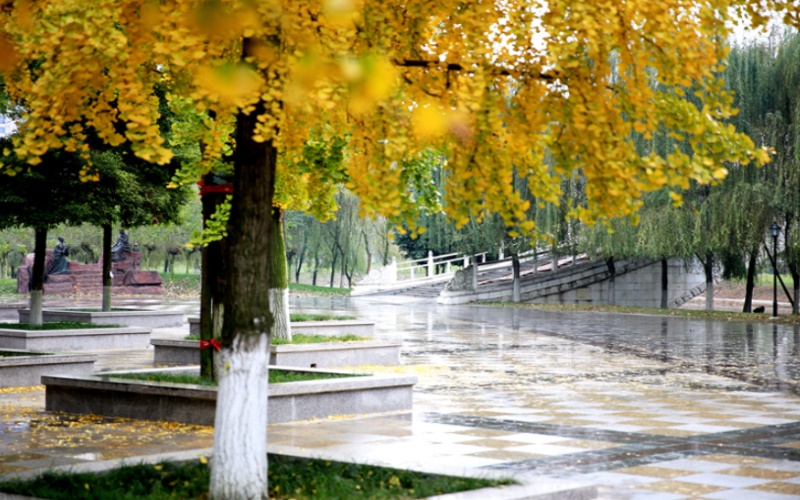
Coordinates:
<point>495,85</point>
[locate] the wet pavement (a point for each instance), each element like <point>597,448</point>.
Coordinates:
<point>642,406</point>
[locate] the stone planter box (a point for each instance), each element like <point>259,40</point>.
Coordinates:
<point>193,404</point>
<point>320,355</point>
<point>333,328</point>
<point>74,340</point>
<point>17,371</point>
<point>131,317</point>
<point>9,311</point>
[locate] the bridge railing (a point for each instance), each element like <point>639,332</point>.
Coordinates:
<point>431,266</point>
<point>415,272</point>
<point>538,261</point>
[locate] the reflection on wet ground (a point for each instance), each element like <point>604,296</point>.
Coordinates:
<point>642,406</point>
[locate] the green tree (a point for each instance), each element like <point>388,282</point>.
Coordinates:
<point>41,199</point>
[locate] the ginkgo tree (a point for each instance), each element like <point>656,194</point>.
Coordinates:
<point>499,87</point>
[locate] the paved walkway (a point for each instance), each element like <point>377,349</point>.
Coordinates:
<point>642,406</point>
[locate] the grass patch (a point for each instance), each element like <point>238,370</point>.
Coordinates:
<point>100,309</point>
<point>300,317</point>
<point>289,477</point>
<point>786,319</point>
<point>56,325</point>
<point>275,377</point>
<point>14,354</point>
<point>317,290</point>
<point>8,286</point>
<point>180,284</point>
<point>301,338</point>
<point>189,284</point>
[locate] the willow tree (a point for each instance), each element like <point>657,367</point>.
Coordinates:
<point>751,199</point>
<point>479,80</point>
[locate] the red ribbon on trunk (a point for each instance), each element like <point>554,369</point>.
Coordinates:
<point>205,344</point>
<point>215,188</point>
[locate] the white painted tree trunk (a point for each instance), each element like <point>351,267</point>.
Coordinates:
<point>36,308</point>
<point>239,458</point>
<point>107,298</point>
<point>279,305</point>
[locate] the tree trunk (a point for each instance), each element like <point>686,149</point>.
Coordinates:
<point>166,263</point>
<point>300,260</point>
<point>612,276</point>
<point>515,293</point>
<point>239,466</point>
<point>107,280</point>
<point>279,279</point>
<point>212,286</point>
<point>795,272</point>
<point>708,267</point>
<point>385,252</point>
<point>333,267</point>
<point>37,276</point>
<point>664,284</point>
<point>316,267</point>
<point>751,275</point>
<point>343,268</point>
<point>369,251</point>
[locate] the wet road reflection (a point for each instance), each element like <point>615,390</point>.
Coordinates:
<point>761,353</point>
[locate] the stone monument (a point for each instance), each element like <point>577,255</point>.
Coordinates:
<point>68,278</point>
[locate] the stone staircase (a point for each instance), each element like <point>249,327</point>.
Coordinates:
<point>429,290</point>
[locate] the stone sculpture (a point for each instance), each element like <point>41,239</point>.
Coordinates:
<point>121,247</point>
<point>59,263</point>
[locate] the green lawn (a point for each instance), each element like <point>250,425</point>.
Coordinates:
<point>189,284</point>
<point>8,286</point>
<point>317,290</point>
<point>787,319</point>
<point>55,325</point>
<point>275,377</point>
<point>289,478</point>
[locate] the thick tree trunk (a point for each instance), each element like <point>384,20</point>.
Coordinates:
<point>239,466</point>
<point>708,268</point>
<point>212,286</point>
<point>515,293</point>
<point>664,284</point>
<point>279,279</point>
<point>37,276</point>
<point>107,280</point>
<point>751,277</point>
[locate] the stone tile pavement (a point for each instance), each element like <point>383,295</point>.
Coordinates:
<point>510,396</point>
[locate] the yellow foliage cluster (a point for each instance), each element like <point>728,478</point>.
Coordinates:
<point>507,88</point>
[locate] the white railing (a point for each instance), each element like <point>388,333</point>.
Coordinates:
<point>411,273</point>
<point>476,271</point>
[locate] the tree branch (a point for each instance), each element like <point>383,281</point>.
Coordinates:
<point>420,63</point>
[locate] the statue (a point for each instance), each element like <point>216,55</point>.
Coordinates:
<point>120,247</point>
<point>60,264</point>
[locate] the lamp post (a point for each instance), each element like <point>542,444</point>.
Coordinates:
<point>774,230</point>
